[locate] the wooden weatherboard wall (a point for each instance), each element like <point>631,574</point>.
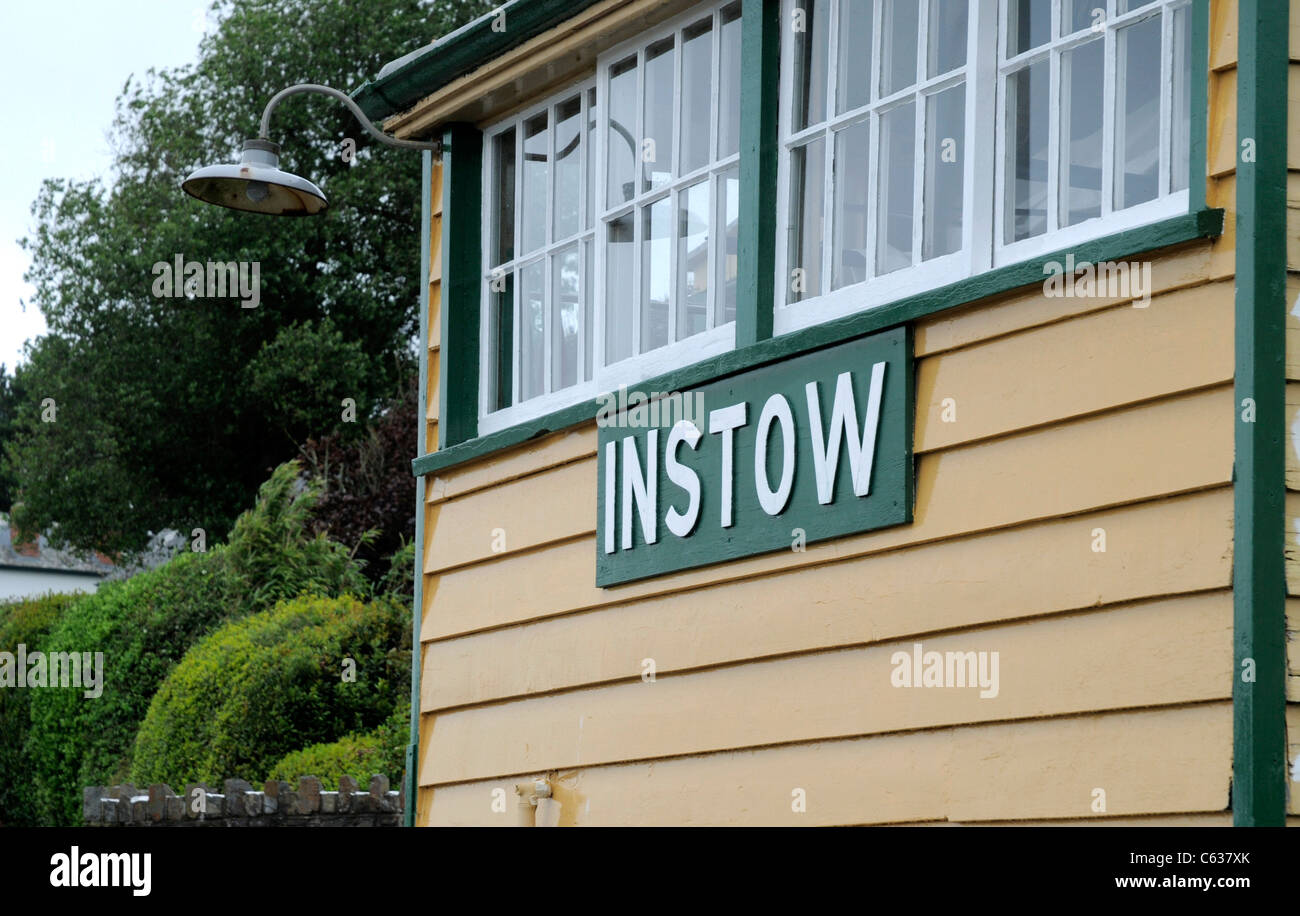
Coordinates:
<point>826,438</point>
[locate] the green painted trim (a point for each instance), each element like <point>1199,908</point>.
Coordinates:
<point>760,81</point>
<point>1259,776</point>
<point>462,218</point>
<point>462,51</point>
<point>1173,231</point>
<point>1200,105</point>
<point>413,746</point>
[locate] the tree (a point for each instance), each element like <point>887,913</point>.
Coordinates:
<point>170,411</point>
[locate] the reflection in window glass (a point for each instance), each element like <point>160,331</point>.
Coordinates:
<point>945,133</point>
<point>898,45</point>
<point>1077,15</point>
<point>729,78</point>
<point>849,214</point>
<point>897,168</point>
<point>810,45</point>
<point>503,184</point>
<point>657,139</point>
<point>1137,113</point>
<point>697,100</point>
<point>568,168</point>
<point>532,336</point>
<point>566,317</point>
<point>533,204</point>
<point>693,260</point>
<point>1081,132</point>
<point>728,252</point>
<point>656,273</point>
<point>807,200</point>
<point>620,294</point>
<point>1026,198</point>
<point>501,323</point>
<point>589,142</point>
<point>947,28</point>
<point>589,275</point>
<point>620,142</point>
<point>853,67</point>
<point>1029,24</point>
<point>1181,129</point>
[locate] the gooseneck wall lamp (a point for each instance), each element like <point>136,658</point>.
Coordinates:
<point>257,184</point>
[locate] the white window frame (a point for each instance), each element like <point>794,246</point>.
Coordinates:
<point>516,265</point>
<point>1165,205</point>
<point>985,75</point>
<point>718,338</point>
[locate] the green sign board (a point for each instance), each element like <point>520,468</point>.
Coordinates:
<point>815,447</point>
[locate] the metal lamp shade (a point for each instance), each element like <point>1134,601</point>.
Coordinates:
<point>256,184</point>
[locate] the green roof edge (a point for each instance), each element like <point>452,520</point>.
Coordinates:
<point>461,52</point>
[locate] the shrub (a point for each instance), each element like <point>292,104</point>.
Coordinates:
<point>145,624</point>
<point>357,755</point>
<point>260,687</point>
<point>27,622</point>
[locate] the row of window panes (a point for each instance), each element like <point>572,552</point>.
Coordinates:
<point>1029,22</point>
<point>1134,166</point>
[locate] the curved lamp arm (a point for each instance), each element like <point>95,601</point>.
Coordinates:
<point>264,132</point>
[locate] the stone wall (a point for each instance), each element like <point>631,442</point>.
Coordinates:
<point>240,805</point>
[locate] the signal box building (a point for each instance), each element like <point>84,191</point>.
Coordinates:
<point>857,412</point>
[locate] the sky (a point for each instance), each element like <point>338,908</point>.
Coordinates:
<point>63,63</point>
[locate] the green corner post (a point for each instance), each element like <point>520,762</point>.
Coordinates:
<point>1259,488</point>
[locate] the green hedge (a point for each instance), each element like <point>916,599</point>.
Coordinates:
<point>358,755</point>
<point>261,687</point>
<point>26,623</point>
<point>145,624</point>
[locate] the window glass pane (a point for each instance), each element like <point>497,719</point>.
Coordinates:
<point>697,97</point>
<point>566,317</point>
<point>811,37</point>
<point>620,143</point>
<point>501,296</point>
<point>1029,24</point>
<point>807,199</point>
<point>568,168</point>
<point>620,294</point>
<point>1081,14</point>
<point>589,142</point>
<point>656,273</point>
<point>853,67</point>
<point>945,132</point>
<point>692,260</point>
<point>533,205</point>
<point>898,45</point>
<point>1026,167</point>
<point>1137,113</point>
<point>897,168</point>
<point>503,210</point>
<point>729,76</point>
<point>728,251</point>
<point>532,334</point>
<point>1181,128</point>
<point>1081,117</point>
<point>657,141</point>
<point>588,280</point>
<point>947,30</point>
<point>1128,6</point>
<point>849,234</point>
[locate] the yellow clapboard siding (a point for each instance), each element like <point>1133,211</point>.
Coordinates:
<point>1293,650</point>
<point>1162,548</point>
<point>1047,667</point>
<point>1221,146</point>
<point>1174,761</point>
<point>529,512</point>
<point>1292,328</point>
<point>1293,543</point>
<point>1118,356</point>
<point>1154,820</point>
<point>1293,756</point>
<point>1293,433</point>
<point>1185,266</point>
<point>1173,446</point>
<point>1223,34</point>
<point>530,458</point>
